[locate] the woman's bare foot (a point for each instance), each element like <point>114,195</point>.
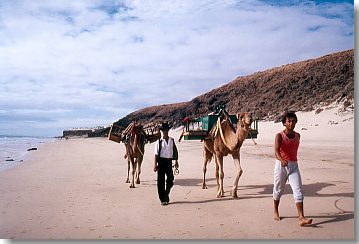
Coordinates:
<point>276,212</point>
<point>303,221</point>
<point>276,216</point>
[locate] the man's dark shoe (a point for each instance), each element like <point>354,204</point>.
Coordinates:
<point>167,199</point>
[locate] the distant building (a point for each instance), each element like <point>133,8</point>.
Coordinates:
<point>77,132</point>
<point>98,131</point>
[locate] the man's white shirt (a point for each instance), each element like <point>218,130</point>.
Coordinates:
<point>166,148</point>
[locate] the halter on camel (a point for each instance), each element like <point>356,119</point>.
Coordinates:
<point>133,130</point>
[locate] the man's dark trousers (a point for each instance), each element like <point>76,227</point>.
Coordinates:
<point>164,185</point>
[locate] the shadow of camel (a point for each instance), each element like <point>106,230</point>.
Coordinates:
<point>309,190</point>
<point>225,198</point>
<point>264,191</point>
<point>192,182</point>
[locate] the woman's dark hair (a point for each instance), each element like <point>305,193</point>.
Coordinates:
<point>289,114</point>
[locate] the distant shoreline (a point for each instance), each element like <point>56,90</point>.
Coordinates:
<point>16,149</point>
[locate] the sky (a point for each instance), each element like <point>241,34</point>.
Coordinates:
<point>67,64</point>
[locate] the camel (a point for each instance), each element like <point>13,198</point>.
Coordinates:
<point>134,139</point>
<point>135,136</point>
<point>224,139</point>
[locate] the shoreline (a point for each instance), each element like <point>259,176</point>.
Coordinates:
<point>16,149</point>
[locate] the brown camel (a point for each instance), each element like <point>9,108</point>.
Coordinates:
<point>224,139</point>
<point>134,139</point>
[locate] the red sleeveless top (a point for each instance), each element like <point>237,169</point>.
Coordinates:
<point>289,147</point>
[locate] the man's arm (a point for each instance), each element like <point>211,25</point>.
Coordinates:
<point>156,157</point>
<point>155,164</point>
<point>277,145</point>
<point>175,151</point>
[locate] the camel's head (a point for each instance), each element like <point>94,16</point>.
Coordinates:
<point>245,119</point>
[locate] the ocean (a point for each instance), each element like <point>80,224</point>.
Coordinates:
<point>13,149</point>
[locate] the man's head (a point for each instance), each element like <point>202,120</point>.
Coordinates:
<point>165,127</point>
<point>291,116</point>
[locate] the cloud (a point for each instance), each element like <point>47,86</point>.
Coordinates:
<point>100,60</point>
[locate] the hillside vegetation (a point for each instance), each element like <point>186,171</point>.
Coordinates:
<point>302,86</point>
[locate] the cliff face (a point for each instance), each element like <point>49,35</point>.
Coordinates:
<point>300,87</point>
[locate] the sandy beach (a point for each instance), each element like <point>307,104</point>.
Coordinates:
<point>75,189</point>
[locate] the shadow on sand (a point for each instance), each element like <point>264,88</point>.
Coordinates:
<point>329,218</point>
<point>265,191</point>
<point>309,190</point>
<point>193,182</point>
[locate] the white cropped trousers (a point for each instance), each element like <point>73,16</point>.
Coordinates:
<point>290,173</point>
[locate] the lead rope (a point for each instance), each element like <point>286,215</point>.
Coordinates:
<point>256,144</point>
<point>143,154</point>
<point>175,170</point>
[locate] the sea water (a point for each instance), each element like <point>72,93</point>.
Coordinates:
<point>14,148</point>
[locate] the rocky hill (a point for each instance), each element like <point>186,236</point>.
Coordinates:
<point>302,86</point>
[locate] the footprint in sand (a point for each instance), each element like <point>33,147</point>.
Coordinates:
<point>187,232</point>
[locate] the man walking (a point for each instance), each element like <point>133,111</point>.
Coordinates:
<point>165,152</point>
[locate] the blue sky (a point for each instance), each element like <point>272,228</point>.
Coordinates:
<point>83,63</point>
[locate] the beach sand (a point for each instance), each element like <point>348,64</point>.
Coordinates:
<point>75,189</point>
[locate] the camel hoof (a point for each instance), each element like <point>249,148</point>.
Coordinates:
<point>132,186</point>
<point>234,194</point>
<point>220,194</point>
<point>138,182</point>
<point>127,181</point>
<point>204,187</point>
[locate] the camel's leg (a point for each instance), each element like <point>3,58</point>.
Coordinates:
<point>217,172</point>
<point>220,175</point>
<point>138,170</point>
<point>237,163</point>
<point>133,169</point>
<point>207,158</point>
<point>128,170</point>
<point>128,157</point>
